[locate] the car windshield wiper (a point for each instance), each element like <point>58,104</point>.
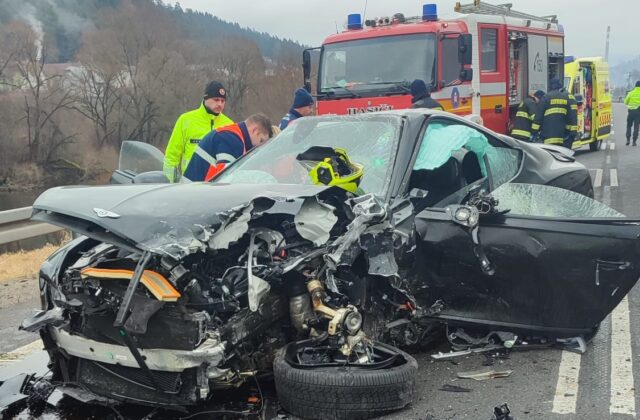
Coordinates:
<point>349,91</point>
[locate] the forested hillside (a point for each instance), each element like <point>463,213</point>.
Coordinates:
<point>64,21</point>
<point>77,77</point>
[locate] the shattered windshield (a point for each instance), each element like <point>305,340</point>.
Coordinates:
<point>547,201</point>
<point>377,63</point>
<point>370,141</point>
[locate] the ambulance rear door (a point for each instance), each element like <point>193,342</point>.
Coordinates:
<point>602,99</point>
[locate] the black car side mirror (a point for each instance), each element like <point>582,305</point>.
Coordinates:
<point>306,69</point>
<point>466,75</point>
<point>465,42</point>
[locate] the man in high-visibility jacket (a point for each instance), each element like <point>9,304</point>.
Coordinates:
<point>226,144</point>
<point>191,127</point>
<point>525,115</point>
<point>557,119</point>
<point>632,101</point>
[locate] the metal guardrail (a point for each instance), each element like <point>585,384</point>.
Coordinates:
<point>15,225</point>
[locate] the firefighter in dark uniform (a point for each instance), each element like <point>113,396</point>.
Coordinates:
<point>421,97</point>
<point>525,115</point>
<point>557,121</point>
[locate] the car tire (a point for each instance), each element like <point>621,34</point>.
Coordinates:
<point>343,392</point>
<point>595,145</point>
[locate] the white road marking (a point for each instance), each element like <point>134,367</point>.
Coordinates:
<point>20,353</point>
<point>566,397</point>
<point>614,177</point>
<point>608,159</point>
<point>598,180</point>
<point>612,146</point>
<point>623,398</point>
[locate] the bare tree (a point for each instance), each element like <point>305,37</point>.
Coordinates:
<point>276,87</point>
<point>43,94</point>
<point>95,97</point>
<point>126,61</point>
<point>7,53</point>
<point>239,63</point>
<point>164,79</point>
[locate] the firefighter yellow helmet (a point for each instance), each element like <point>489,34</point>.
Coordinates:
<point>332,166</point>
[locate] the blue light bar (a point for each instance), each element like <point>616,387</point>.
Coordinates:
<point>354,21</point>
<point>429,12</point>
<point>569,59</point>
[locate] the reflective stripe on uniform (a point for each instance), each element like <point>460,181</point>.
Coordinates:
<point>523,114</point>
<point>558,102</point>
<point>555,111</point>
<point>535,126</point>
<point>554,140</point>
<point>225,156</point>
<point>522,133</point>
<point>574,107</point>
<point>206,156</point>
<point>571,127</point>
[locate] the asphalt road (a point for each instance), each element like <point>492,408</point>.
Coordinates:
<point>544,384</point>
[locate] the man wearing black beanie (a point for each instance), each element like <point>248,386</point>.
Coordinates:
<point>421,97</point>
<point>192,126</point>
<point>302,107</point>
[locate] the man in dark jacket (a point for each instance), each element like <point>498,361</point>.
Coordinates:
<point>302,107</point>
<point>557,120</point>
<point>224,145</point>
<point>525,115</point>
<point>421,98</point>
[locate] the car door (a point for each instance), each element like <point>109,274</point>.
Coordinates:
<point>559,262</point>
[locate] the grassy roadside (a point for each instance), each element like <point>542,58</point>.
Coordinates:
<point>23,264</point>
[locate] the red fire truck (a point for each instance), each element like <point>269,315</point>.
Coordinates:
<point>482,63</point>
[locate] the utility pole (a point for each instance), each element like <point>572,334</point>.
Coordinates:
<point>606,48</point>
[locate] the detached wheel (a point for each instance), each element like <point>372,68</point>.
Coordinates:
<point>595,146</point>
<point>314,383</point>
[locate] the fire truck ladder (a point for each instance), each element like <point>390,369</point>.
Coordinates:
<point>480,7</point>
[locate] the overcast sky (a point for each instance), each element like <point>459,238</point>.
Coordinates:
<point>309,21</point>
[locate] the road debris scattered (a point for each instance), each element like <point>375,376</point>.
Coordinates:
<point>483,375</point>
<point>453,388</point>
<point>502,412</point>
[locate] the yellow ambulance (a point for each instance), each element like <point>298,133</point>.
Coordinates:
<point>587,79</point>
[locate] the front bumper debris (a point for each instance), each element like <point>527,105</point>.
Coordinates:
<point>211,352</point>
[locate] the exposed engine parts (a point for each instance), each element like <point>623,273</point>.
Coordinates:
<point>206,309</point>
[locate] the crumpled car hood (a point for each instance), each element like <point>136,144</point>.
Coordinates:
<point>131,215</point>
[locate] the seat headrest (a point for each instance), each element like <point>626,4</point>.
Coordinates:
<point>445,176</point>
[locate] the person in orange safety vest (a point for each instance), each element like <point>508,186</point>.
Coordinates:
<point>226,144</point>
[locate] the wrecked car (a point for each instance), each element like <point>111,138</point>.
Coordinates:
<point>321,254</point>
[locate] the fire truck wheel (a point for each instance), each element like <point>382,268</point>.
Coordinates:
<point>317,388</point>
